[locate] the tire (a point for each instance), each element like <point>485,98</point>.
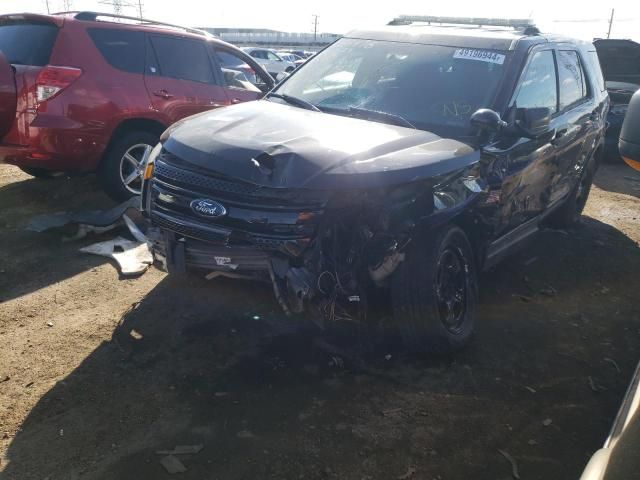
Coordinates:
<point>39,172</point>
<point>569,214</point>
<point>429,318</point>
<point>117,165</point>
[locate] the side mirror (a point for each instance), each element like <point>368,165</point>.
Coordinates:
<point>629,144</point>
<point>534,122</point>
<point>487,120</point>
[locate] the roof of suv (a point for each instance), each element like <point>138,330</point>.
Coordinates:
<point>494,38</point>
<point>119,21</point>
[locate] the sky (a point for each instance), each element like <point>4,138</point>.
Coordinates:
<point>570,17</point>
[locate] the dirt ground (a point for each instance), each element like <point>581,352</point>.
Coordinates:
<point>98,373</point>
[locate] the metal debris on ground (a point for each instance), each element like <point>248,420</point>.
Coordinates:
<point>613,362</point>
<point>182,450</point>
<point>136,335</point>
<point>133,258</point>
<point>96,218</point>
<point>134,229</point>
<point>512,461</point>
<point>172,464</point>
<point>531,389</point>
<point>547,421</point>
<point>49,324</point>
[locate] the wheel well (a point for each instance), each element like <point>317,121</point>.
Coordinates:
<point>134,125</point>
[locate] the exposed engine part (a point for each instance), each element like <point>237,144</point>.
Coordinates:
<point>299,288</point>
<point>380,273</point>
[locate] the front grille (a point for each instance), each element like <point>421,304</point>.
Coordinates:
<point>178,176</point>
<point>190,229</point>
<point>262,217</point>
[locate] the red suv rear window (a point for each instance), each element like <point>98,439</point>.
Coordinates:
<point>27,43</point>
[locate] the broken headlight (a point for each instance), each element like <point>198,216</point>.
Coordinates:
<point>457,191</point>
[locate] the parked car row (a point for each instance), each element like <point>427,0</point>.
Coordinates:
<point>83,92</point>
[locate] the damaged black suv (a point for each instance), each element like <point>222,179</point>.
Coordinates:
<point>407,158</point>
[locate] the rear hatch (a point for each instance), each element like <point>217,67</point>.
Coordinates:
<point>620,63</point>
<point>26,42</point>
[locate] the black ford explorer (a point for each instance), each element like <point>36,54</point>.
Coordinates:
<point>407,158</point>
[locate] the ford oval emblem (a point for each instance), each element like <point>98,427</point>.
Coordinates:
<point>208,208</point>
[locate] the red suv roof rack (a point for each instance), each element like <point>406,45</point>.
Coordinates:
<point>93,17</point>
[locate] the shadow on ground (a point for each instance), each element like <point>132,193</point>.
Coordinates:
<point>214,363</point>
<point>618,178</point>
<point>36,260</point>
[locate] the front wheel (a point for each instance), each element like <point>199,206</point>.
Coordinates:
<point>434,292</point>
<point>121,169</point>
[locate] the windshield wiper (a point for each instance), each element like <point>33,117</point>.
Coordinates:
<point>391,118</point>
<point>298,102</point>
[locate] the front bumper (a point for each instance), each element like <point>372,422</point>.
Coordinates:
<point>179,254</point>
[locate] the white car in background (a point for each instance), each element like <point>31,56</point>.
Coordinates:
<point>290,57</point>
<point>270,60</point>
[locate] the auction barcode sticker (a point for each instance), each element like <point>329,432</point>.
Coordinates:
<point>481,55</point>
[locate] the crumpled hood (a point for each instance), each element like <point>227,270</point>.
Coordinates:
<point>277,145</point>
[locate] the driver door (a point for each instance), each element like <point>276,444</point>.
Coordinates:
<point>527,165</point>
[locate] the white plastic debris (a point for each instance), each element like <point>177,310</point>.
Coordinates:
<point>133,257</point>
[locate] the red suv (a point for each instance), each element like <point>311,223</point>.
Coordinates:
<point>84,91</point>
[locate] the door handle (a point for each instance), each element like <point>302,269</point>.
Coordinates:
<point>235,100</point>
<point>558,136</point>
<point>163,94</point>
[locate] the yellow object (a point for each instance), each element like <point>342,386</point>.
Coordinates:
<point>148,170</point>
<point>632,163</point>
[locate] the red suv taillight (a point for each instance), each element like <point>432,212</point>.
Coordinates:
<point>52,80</point>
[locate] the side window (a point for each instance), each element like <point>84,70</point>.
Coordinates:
<point>538,84</point>
<point>259,54</point>
<point>596,70</point>
<point>272,56</point>
<point>122,49</point>
<point>183,59</point>
<point>571,77</point>
<point>236,72</point>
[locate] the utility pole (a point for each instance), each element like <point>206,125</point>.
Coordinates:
<point>315,28</point>
<point>47,4</point>
<point>611,22</point>
<point>119,5</point>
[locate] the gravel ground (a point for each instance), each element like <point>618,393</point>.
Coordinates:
<point>98,373</point>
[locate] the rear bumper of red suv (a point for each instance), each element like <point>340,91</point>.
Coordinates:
<point>55,149</point>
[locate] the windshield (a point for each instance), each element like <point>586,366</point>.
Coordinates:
<point>432,87</point>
